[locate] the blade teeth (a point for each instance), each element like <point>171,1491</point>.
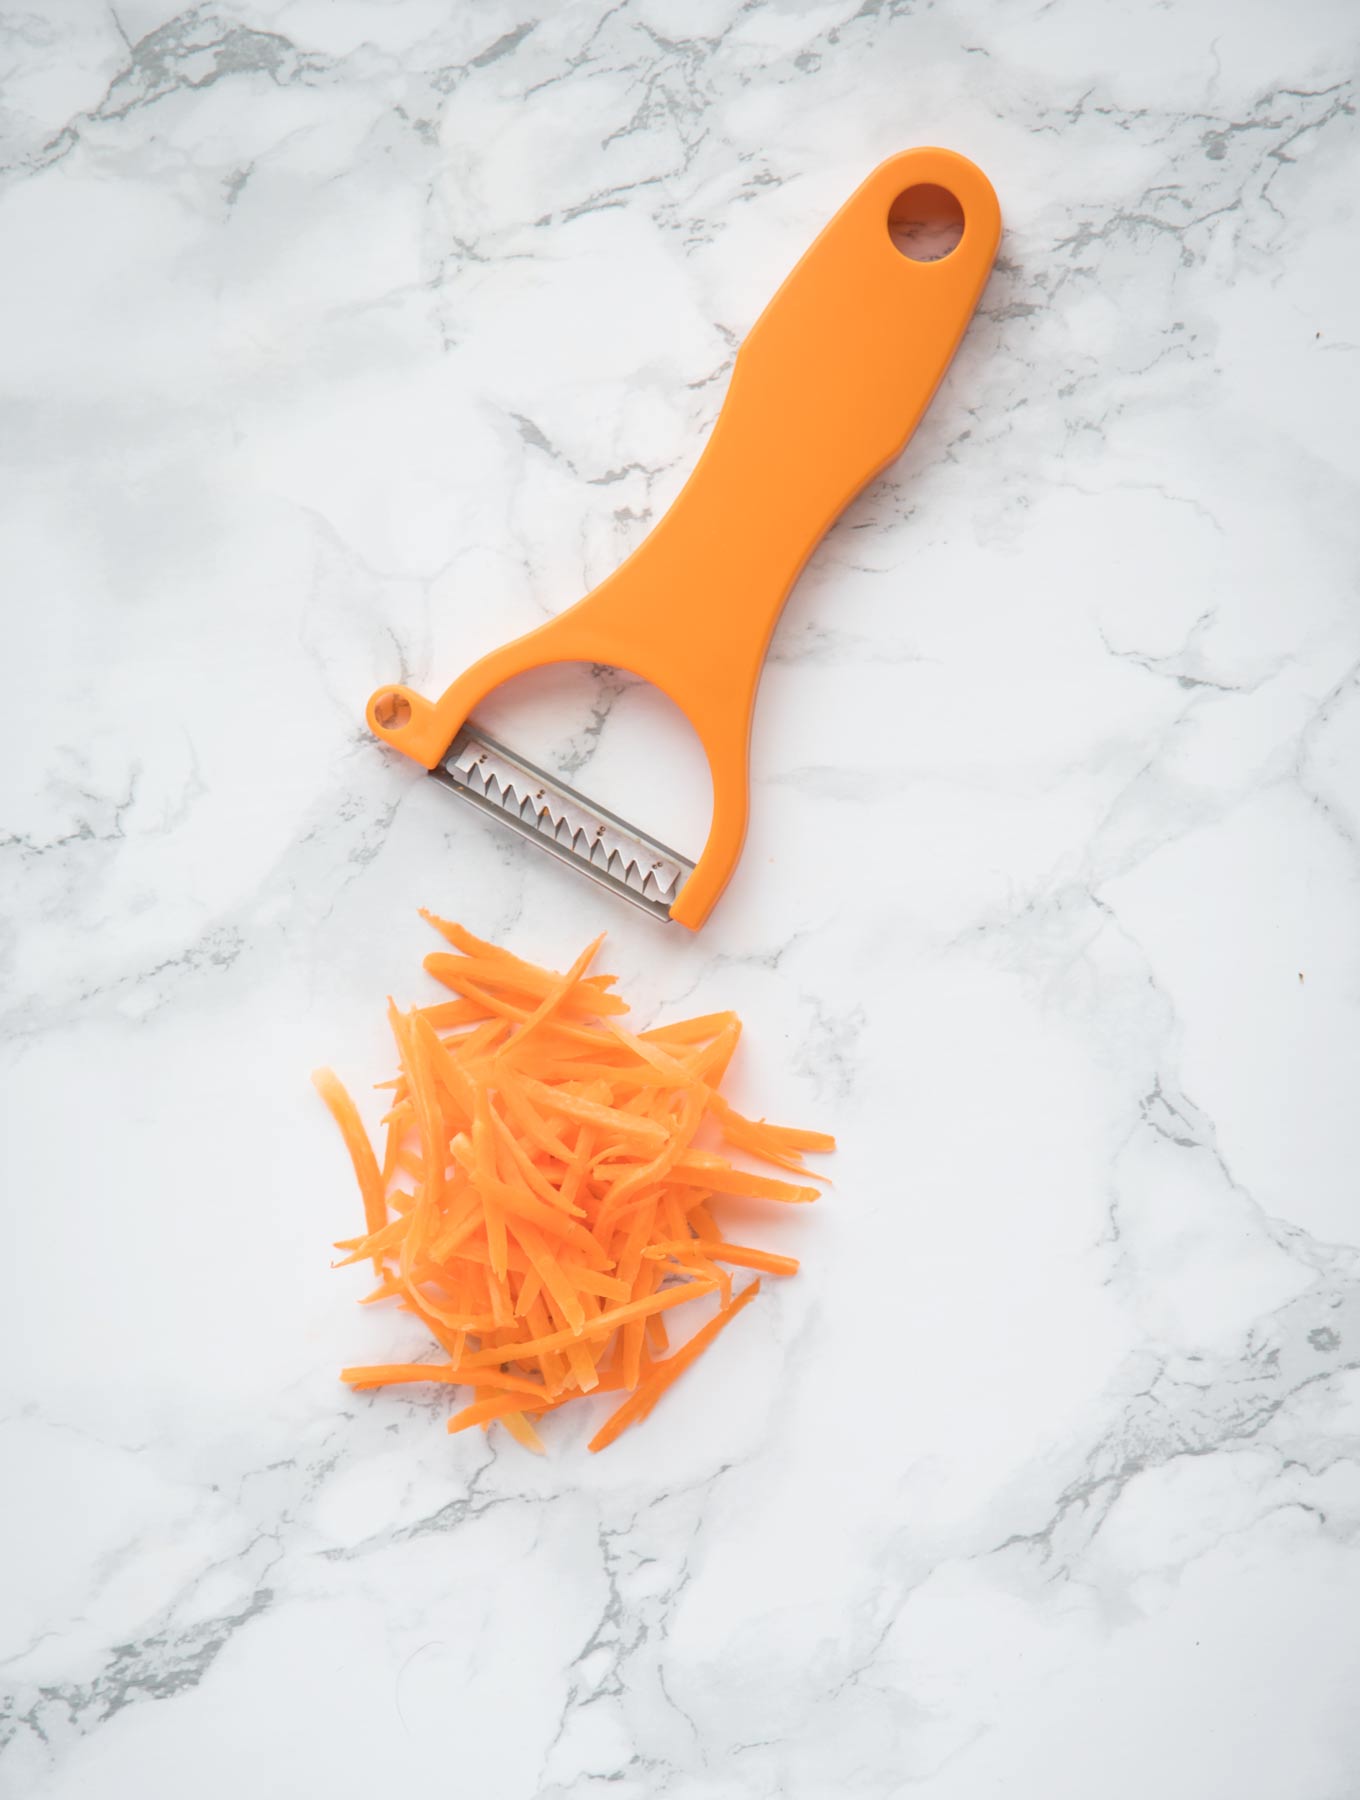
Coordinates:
<point>532,803</point>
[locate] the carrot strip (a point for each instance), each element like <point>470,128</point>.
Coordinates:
<point>600,1326</point>
<point>759,1132</point>
<point>552,1275</point>
<point>410,1164</point>
<point>552,1365</point>
<point>534,1128</point>
<point>634,1338</point>
<point>525,1205</point>
<point>591,1281</point>
<point>371,1185</point>
<point>690,1256</point>
<point>570,1190</point>
<point>778,1144</point>
<point>534,1177</point>
<point>639,1404</point>
<point>398,1374</point>
<point>462,939</point>
<point>445,1014</point>
<point>451,971</point>
<point>651,1174</point>
<point>414,1066</point>
<point>589,1112</point>
<point>495,1406</point>
<point>698,1168</point>
<point>523,1432</point>
<point>374,1246</point>
<point>740,1255</point>
<point>693,1031</point>
<point>700,1218</point>
<point>580,1352</point>
<point>445,1069</point>
<point>530,1288</point>
<point>481,1041</point>
<point>399,1123</point>
<point>458,1227</point>
<point>558,993</point>
<point>490,963</point>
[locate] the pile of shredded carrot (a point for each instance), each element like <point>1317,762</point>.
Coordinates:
<point>544,1199</point>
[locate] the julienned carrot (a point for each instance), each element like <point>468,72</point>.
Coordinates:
<point>371,1185</point>
<point>398,1374</point>
<point>559,993</point>
<point>523,1432</point>
<point>604,1325</point>
<point>701,1169</point>
<point>741,1256</point>
<point>625,1125</point>
<point>495,1406</point>
<point>361,1249</point>
<point>560,1203</point>
<point>640,1403</point>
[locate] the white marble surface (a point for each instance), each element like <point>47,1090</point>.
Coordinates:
<point>339,341</point>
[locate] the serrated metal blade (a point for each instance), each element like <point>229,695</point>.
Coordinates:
<point>564,822</point>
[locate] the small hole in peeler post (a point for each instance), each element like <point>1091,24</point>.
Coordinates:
<point>925,222</point>
<point>392,711</point>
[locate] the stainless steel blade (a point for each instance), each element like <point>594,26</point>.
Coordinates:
<point>564,822</point>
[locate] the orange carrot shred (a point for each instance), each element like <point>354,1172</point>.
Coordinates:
<point>657,1335</point>
<point>741,1255</point>
<point>371,1184</point>
<point>641,1402</point>
<point>523,1432</point>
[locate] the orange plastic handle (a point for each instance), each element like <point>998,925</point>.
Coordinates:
<point>826,390</point>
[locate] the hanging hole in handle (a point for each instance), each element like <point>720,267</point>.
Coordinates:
<point>925,222</point>
<point>392,710</point>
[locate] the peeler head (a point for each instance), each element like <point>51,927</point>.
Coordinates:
<point>578,831</point>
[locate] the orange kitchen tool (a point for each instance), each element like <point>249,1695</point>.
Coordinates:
<point>826,390</point>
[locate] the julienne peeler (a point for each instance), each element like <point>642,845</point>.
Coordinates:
<point>825,392</point>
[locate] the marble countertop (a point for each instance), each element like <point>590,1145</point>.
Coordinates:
<point>342,339</point>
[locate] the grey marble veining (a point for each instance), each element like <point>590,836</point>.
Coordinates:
<point>339,340</point>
